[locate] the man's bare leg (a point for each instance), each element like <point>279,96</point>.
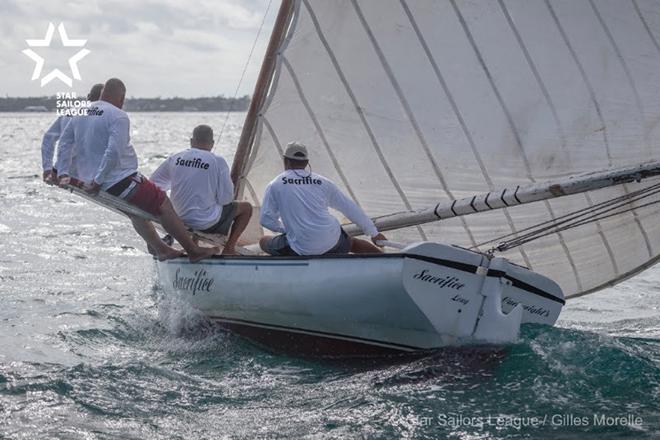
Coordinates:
<point>243,215</point>
<point>147,231</point>
<point>359,246</point>
<point>175,227</point>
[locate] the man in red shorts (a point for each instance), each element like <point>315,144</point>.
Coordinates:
<point>106,160</point>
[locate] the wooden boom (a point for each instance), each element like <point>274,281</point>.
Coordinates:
<point>512,196</point>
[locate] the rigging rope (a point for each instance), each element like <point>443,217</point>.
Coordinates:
<point>240,81</point>
<point>600,211</point>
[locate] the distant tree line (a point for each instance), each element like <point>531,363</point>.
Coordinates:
<point>208,104</point>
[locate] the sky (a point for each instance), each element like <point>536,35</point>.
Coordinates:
<point>166,48</point>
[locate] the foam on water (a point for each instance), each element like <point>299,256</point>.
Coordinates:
<point>90,347</point>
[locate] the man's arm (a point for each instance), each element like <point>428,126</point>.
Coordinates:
<point>117,141</point>
<point>270,214</point>
<point>48,144</point>
<point>161,177</point>
<point>65,150</point>
<point>225,190</point>
<point>351,210</point>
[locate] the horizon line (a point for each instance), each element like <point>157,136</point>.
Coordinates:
<point>132,97</point>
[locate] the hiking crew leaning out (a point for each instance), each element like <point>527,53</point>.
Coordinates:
<point>296,205</point>
<point>202,192</point>
<point>106,160</point>
<point>51,139</point>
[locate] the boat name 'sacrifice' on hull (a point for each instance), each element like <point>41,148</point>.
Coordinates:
<point>429,296</point>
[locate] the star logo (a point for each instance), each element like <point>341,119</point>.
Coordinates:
<point>56,73</point>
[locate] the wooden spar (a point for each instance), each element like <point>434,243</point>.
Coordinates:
<point>116,204</point>
<point>512,196</point>
<point>260,92</point>
<point>120,206</point>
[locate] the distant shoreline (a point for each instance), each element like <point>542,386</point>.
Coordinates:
<point>205,104</point>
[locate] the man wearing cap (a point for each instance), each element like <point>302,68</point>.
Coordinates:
<point>296,205</point>
<point>202,192</point>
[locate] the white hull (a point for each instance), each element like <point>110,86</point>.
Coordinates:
<point>428,296</point>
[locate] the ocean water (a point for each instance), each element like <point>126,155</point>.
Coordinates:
<point>90,347</point>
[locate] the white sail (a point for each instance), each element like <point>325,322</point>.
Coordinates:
<point>407,103</point>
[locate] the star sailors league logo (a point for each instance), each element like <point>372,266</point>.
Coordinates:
<point>56,73</point>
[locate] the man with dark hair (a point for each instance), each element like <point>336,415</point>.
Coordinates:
<point>202,191</point>
<point>52,137</point>
<point>107,161</point>
<point>296,205</point>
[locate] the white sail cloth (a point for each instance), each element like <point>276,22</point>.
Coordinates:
<point>408,103</point>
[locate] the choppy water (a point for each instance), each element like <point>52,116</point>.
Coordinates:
<point>89,348</point>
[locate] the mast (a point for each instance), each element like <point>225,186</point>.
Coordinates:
<point>260,92</point>
<point>512,196</point>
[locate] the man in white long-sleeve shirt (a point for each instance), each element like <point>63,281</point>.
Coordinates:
<point>296,205</point>
<point>202,192</point>
<point>106,160</point>
<point>52,137</point>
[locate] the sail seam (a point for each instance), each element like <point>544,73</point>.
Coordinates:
<point>459,117</point>
<point>638,102</point>
<point>252,192</point>
<point>319,130</point>
<point>646,25</point>
<point>513,128</point>
<point>359,111</point>
<point>276,141</point>
<point>624,66</point>
<point>606,242</point>
<point>535,72</point>
<point>496,91</point>
<point>257,135</point>
<point>585,78</point>
<point>409,113</point>
<point>498,96</point>
<point>555,115</point>
<point>599,112</point>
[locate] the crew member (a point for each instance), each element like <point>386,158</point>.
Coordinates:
<point>296,205</point>
<point>106,160</point>
<point>52,136</point>
<point>202,192</point>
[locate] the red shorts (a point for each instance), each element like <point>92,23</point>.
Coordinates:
<point>147,196</point>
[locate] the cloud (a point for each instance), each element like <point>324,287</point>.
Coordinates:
<point>159,47</point>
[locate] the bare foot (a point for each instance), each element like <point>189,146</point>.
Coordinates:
<point>169,254</point>
<point>201,253</point>
<point>229,251</point>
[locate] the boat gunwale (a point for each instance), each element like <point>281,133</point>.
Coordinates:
<point>302,260</point>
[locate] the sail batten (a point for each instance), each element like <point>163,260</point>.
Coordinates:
<point>410,105</point>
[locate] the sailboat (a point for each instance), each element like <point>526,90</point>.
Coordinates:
<point>510,145</point>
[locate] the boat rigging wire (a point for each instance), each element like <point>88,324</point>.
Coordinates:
<point>609,208</point>
<point>247,63</point>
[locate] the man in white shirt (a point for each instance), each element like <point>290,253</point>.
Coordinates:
<point>52,137</point>
<point>296,205</point>
<point>105,160</point>
<point>202,192</point>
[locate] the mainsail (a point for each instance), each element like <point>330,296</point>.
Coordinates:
<point>409,103</point>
